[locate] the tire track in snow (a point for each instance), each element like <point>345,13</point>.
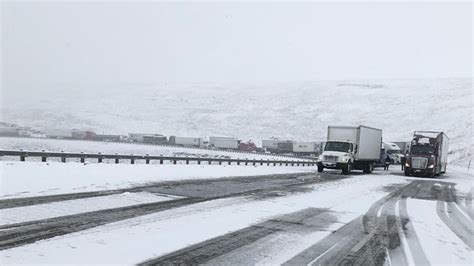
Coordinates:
<point>452,217</point>
<point>208,250</point>
<point>19,234</point>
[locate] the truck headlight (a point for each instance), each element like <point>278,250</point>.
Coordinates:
<point>320,158</point>
<point>344,160</point>
<point>407,164</point>
<point>431,166</point>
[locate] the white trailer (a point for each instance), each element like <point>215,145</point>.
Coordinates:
<point>58,133</point>
<point>226,144</point>
<point>305,148</point>
<point>187,141</point>
<point>349,148</point>
<point>270,144</point>
<point>212,140</point>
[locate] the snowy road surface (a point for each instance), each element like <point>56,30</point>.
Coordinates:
<point>291,219</point>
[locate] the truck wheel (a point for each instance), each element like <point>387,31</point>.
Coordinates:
<point>407,173</point>
<point>346,169</point>
<point>368,168</point>
<point>320,168</point>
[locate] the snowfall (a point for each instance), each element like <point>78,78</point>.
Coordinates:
<point>294,111</point>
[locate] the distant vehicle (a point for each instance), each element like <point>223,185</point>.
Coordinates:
<point>428,154</point>
<point>305,148</point>
<point>270,145</point>
<point>155,139</point>
<point>226,144</point>
<point>58,133</point>
<point>394,152</point>
<point>248,146</point>
<point>404,146</point>
<point>185,141</point>
<point>349,148</point>
<point>285,146</point>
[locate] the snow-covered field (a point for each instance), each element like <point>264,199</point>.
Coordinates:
<point>57,145</point>
<point>27,179</point>
<point>299,111</point>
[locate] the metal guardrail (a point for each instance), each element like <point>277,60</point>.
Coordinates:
<point>147,158</point>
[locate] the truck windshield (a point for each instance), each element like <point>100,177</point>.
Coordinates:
<point>422,149</point>
<point>338,146</point>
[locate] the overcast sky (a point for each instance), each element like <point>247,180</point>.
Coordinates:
<point>90,43</point>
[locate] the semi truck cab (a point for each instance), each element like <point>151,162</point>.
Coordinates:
<point>428,154</point>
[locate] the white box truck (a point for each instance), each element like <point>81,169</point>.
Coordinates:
<point>348,148</point>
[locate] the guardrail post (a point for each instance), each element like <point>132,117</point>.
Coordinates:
<point>199,161</point>
<point>161,161</point>
<point>174,161</point>
<point>281,163</point>
<point>286,164</point>
<point>147,160</point>
<point>187,161</point>
<point>254,163</point>
<point>261,163</point>
<point>297,164</point>
<point>43,158</point>
<point>292,164</point>
<point>63,159</point>
<point>132,161</point>
<point>238,162</point>
<point>274,164</point>
<point>117,160</point>
<point>229,162</point>
<point>22,158</point>
<point>220,162</point>
<point>210,162</point>
<point>268,163</point>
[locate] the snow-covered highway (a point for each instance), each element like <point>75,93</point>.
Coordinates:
<point>287,218</point>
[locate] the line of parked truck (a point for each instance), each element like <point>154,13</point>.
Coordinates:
<point>361,148</point>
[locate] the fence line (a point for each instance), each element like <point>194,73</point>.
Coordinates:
<point>147,158</point>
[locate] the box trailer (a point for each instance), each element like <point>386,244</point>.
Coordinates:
<point>349,148</point>
<point>428,154</point>
<point>305,148</point>
<point>186,141</point>
<point>212,140</point>
<point>226,143</point>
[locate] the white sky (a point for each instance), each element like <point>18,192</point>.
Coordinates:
<point>97,43</point>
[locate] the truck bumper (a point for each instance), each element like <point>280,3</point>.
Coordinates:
<point>331,165</point>
<point>414,171</point>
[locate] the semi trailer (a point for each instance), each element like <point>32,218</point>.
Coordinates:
<point>351,148</point>
<point>428,154</point>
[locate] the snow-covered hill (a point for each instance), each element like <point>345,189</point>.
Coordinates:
<point>295,111</point>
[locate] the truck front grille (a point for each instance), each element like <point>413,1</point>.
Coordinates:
<point>330,158</point>
<point>419,163</point>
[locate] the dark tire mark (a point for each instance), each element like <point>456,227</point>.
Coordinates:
<point>13,235</point>
<point>172,187</point>
<point>210,249</point>
<point>332,248</point>
<point>24,233</point>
